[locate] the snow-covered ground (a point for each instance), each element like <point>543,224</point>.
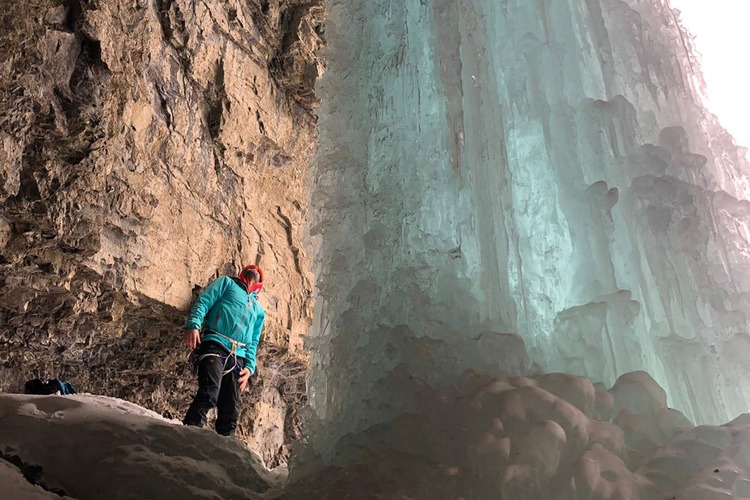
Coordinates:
<point>545,437</point>
<point>13,485</point>
<point>95,447</point>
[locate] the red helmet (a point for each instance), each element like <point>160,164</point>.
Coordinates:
<point>256,287</point>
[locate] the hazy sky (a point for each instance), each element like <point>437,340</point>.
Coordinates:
<point>722,31</point>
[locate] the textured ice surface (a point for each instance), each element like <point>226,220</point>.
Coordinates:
<point>93,447</point>
<point>538,167</point>
<point>530,438</point>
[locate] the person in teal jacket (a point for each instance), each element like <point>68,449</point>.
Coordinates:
<point>224,329</point>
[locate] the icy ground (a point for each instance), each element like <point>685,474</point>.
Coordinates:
<point>549,437</point>
<point>523,438</point>
<point>95,447</point>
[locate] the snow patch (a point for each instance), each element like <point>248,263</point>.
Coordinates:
<point>99,447</point>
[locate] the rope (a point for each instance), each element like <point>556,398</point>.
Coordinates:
<point>234,342</point>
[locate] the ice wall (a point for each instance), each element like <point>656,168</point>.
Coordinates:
<point>544,168</point>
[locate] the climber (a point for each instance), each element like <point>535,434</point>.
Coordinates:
<point>224,328</point>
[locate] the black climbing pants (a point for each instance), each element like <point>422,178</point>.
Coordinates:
<point>215,390</point>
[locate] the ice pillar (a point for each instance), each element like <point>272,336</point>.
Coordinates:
<point>543,168</point>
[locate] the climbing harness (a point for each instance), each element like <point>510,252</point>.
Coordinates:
<point>232,354</point>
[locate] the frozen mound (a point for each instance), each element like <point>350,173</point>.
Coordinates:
<point>94,447</point>
<point>552,436</point>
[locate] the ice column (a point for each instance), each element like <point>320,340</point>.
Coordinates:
<point>544,168</point>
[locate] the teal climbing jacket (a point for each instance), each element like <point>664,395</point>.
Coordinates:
<point>226,308</point>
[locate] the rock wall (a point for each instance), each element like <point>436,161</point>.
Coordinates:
<point>147,147</point>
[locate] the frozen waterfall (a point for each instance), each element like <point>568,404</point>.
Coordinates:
<point>540,168</point>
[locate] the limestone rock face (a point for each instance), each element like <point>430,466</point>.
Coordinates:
<point>147,146</point>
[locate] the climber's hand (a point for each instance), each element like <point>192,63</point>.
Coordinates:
<point>244,378</point>
<point>192,338</point>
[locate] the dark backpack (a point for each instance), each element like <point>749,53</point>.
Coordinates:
<point>52,386</point>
